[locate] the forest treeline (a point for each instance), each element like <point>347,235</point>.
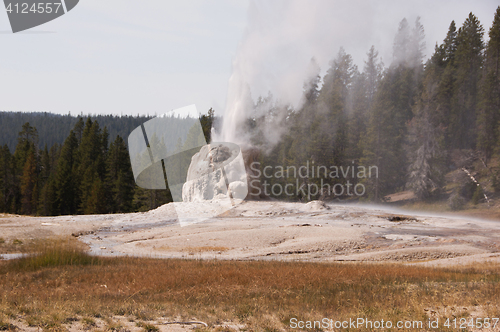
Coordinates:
<point>415,121</point>
<point>54,128</point>
<point>86,174</point>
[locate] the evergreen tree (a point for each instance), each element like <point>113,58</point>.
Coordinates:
<point>206,121</point>
<point>65,181</point>
<point>489,105</point>
<point>96,201</point>
<point>45,165</point>
<point>373,71</point>
<point>27,140</point>
<point>363,93</point>
<point>425,146</point>
<point>468,62</point>
<point>442,66</point>
<point>402,42</point>
<point>329,128</point>
<point>120,177</point>
<point>104,146</point>
<point>27,144</point>
<point>7,179</point>
<point>384,146</point>
<point>78,129</point>
<point>147,199</point>
<point>91,164</point>
<point>47,203</point>
<point>2,182</point>
<point>358,115</point>
<point>29,194</point>
<point>450,44</point>
<point>417,46</point>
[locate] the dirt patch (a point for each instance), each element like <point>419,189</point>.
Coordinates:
<point>401,218</point>
<point>397,218</point>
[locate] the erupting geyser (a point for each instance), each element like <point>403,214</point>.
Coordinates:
<point>216,172</point>
<point>171,152</point>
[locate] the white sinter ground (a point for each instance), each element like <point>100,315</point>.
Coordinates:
<point>265,230</point>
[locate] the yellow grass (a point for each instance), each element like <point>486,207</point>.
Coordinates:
<point>62,285</point>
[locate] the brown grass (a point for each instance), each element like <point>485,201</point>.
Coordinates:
<point>36,245</point>
<point>62,284</point>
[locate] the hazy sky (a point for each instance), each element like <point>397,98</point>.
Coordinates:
<point>151,56</point>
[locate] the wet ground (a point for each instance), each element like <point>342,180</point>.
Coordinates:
<point>278,231</point>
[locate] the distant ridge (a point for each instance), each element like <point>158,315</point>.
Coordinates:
<point>54,128</point>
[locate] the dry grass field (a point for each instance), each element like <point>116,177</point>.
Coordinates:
<point>61,288</point>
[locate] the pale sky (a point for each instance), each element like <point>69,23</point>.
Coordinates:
<point>152,56</point>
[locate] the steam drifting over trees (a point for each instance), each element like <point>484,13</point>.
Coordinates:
<point>410,119</point>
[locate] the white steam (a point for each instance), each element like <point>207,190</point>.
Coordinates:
<point>274,56</point>
<point>282,36</point>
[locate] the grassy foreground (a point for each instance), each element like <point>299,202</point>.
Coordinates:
<point>62,286</point>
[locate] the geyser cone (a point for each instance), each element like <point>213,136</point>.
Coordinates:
<point>216,172</point>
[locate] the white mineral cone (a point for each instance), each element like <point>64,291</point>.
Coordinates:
<point>216,181</point>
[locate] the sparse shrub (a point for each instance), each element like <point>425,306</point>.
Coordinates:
<point>467,189</point>
<point>70,320</point>
<point>143,315</point>
<point>148,327</point>
<point>478,194</point>
<point>88,322</point>
<point>32,321</point>
<point>2,240</point>
<point>7,327</point>
<point>17,242</point>
<point>495,183</point>
<point>456,202</point>
<point>114,326</point>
